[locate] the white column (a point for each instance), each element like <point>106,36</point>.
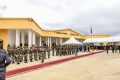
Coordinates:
<point>29,38</point>
<point>48,41</point>
<point>34,39</point>
<point>17,37</point>
<point>23,38</point>
<point>40,41</point>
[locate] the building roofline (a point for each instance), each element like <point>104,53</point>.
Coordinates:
<point>67,29</point>
<point>32,20</point>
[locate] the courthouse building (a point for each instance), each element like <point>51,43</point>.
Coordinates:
<point>26,30</point>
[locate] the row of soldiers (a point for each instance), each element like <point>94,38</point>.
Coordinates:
<point>65,50</point>
<point>26,54</point>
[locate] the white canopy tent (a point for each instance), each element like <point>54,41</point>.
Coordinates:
<point>71,41</point>
<point>102,40</point>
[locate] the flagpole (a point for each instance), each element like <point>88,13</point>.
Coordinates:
<point>91,35</point>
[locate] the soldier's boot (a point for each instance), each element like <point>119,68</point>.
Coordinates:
<point>36,58</point>
<point>18,62</point>
<point>13,61</point>
<point>39,57</point>
<point>42,61</point>
<point>56,54</point>
<point>20,59</point>
<point>63,53</point>
<point>73,52</point>
<point>31,60</point>
<point>45,56</point>
<point>26,61</point>
<point>48,56</point>
<point>60,54</point>
<point>53,53</point>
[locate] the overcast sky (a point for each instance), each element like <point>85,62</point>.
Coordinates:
<point>79,15</point>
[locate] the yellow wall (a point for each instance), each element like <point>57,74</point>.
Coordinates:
<point>94,36</point>
<point>24,23</point>
<point>4,37</point>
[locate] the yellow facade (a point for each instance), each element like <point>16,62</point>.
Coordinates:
<point>4,37</point>
<point>29,23</point>
<point>95,36</point>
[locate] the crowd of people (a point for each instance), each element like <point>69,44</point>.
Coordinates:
<point>25,54</point>
<point>114,48</point>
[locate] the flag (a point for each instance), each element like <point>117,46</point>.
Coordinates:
<point>91,31</point>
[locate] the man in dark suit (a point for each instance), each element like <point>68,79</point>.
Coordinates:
<point>5,60</point>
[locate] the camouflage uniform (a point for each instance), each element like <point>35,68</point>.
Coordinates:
<point>35,52</point>
<point>43,54</point>
<point>60,51</point>
<point>39,53</point>
<point>16,51</point>
<point>31,54</point>
<point>48,52</point>
<point>53,51</point>
<point>57,50</point>
<point>13,55</point>
<point>25,55</point>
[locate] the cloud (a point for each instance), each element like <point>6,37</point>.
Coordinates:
<point>79,15</point>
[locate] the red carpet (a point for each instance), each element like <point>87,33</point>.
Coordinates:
<point>34,67</point>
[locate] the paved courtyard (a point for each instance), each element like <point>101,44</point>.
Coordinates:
<point>95,67</point>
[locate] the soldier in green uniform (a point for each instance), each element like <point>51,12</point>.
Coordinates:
<point>76,51</point>
<point>63,50</point>
<point>17,55</point>
<point>39,53</point>
<point>21,54</point>
<point>57,49</point>
<point>9,50</point>
<point>31,54</point>
<point>13,53</point>
<point>53,51</point>
<point>68,50</point>
<point>43,51</point>
<point>48,52</point>
<point>35,53</point>
<point>72,50</point>
<point>60,51</point>
<point>25,55</point>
